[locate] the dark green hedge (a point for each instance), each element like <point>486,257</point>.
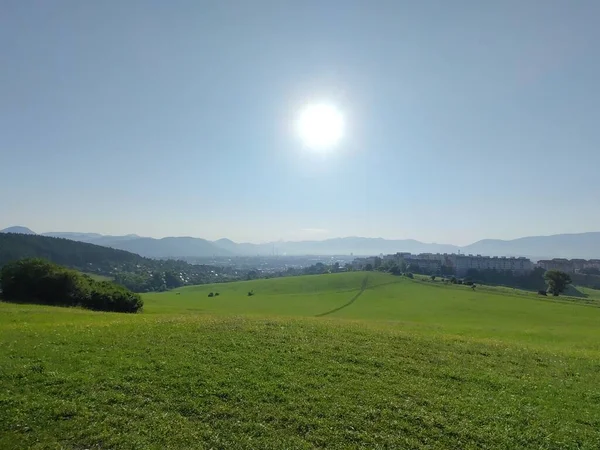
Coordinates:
<point>39,281</point>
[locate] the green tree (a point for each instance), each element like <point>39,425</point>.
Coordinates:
<point>396,270</point>
<point>557,281</point>
<point>35,280</point>
<point>369,267</point>
<point>414,268</point>
<point>172,280</point>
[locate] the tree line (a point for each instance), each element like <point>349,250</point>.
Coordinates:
<point>35,280</point>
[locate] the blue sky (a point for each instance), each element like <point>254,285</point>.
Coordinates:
<point>464,120</point>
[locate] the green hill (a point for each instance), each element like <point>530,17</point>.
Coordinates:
<point>61,251</point>
<point>339,361</point>
<point>510,314</point>
<point>129,269</point>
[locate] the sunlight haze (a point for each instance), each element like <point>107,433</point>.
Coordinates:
<point>444,122</point>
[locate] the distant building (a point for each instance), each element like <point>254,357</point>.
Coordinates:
<point>569,266</point>
<point>425,264</point>
<point>464,263</point>
<point>459,264</point>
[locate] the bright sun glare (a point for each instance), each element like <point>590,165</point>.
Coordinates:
<point>320,126</point>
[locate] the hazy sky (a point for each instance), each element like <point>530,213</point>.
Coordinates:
<point>464,119</point>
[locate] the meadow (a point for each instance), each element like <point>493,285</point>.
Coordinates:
<point>356,360</point>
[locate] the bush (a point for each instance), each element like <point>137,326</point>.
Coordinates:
<point>396,270</point>
<point>107,296</point>
<point>410,275</point>
<point>39,281</point>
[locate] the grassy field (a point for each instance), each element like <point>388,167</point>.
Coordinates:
<point>338,361</point>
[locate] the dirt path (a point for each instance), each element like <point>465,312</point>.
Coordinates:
<point>363,286</point>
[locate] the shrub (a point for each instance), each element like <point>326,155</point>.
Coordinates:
<point>39,281</point>
<point>410,275</point>
<point>107,296</point>
<point>396,270</point>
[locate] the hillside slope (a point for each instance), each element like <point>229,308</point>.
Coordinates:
<point>386,371</point>
<point>129,269</point>
<point>61,251</point>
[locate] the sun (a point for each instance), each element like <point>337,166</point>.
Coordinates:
<point>320,126</point>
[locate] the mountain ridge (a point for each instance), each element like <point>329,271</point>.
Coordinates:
<point>567,245</point>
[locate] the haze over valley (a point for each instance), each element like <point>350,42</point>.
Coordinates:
<point>577,245</point>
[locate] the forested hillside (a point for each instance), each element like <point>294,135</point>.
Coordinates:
<point>62,251</point>
<point>133,271</point>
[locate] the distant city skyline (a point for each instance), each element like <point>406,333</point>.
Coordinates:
<point>461,120</point>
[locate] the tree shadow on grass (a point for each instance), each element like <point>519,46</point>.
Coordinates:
<point>572,291</point>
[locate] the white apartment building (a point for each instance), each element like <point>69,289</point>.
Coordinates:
<point>463,263</point>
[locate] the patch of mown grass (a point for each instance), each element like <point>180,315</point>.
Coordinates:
<point>404,366</point>
<point>202,382</point>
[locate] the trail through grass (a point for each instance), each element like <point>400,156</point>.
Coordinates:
<point>363,286</point>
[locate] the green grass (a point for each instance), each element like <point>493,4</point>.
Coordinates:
<point>96,277</point>
<point>400,364</point>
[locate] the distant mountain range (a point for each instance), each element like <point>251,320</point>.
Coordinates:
<point>19,230</point>
<point>581,245</point>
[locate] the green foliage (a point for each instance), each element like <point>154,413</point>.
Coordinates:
<point>586,279</point>
<point>396,270</point>
<point>369,267</point>
<point>38,281</point>
<point>557,281</point>
<point>415,268</point>
<point>316,269</point>
<point>409,275</point>
<point>533,280</point>
<point>65,252</point>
